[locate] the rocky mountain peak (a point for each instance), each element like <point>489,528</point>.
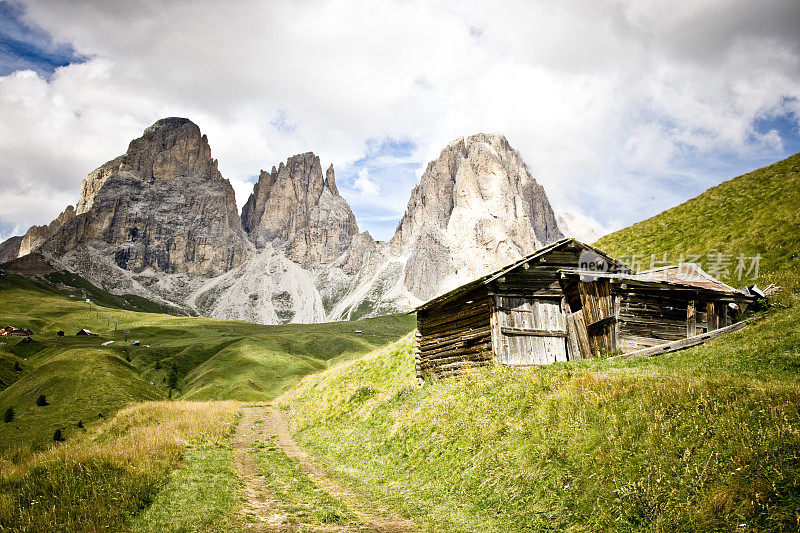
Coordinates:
<point>477,207</point>
<point>171,148</point>
<point>162,205</point>
<point>330,181</point>
<point>296,210</point>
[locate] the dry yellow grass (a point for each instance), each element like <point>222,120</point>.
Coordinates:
<point>109,474</point>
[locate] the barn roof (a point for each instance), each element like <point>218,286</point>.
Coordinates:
<point>687,274</point>
<point>488,278</point>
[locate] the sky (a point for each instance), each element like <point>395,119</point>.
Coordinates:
<point>621,109</point>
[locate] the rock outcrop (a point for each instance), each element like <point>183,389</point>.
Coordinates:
<point>300,214</point>
<point>476,208</point>
<point>9,249</point>
<point>36,235</point>
<point>162,206</point>
<point>297,211</point>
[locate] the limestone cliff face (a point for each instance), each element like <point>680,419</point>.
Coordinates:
<point>20,246</point>
<point>36,235</point>
<point>296,210</point>
<point>163,205</point>
<point>476,208</point>
<point>9,248</point>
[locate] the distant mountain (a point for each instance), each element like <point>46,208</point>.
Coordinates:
<point>578,227</point>
<point>160,222</point>
<point>477,207</point>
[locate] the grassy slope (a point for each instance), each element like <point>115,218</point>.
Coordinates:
<point>757,213</point>
<point>201,495</point>
<point>214,359</point>
<point>103,479</point>
<point>80,384</point>
<point>704,439</point>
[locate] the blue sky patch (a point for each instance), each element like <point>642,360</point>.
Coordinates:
<point>378,185</point>
<point>26,47</point>
<point>786,124</point>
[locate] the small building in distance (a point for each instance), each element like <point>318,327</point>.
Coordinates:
<point>86,332</point>
<point>567,301</point>
<point>15,331</point>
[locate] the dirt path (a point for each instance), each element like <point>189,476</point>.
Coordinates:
<point>261,510</point>
<point>265,422</point>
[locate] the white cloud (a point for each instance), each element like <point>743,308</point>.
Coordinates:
<point>617,98</point>
<point>365,185</point>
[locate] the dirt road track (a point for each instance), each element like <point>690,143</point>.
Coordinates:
<point>261,423</point>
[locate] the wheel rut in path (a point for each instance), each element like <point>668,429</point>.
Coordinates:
<point>262,510</point>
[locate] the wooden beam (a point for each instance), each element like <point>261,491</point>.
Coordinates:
<point>533,332</point>
<point>615,331</point>
<point>682,344</point>
<point>601,323</point>
<point>711,317</point>
<point>691,319</point>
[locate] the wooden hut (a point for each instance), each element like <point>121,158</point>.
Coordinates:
<point>14,331</point>
<point>566,301</point>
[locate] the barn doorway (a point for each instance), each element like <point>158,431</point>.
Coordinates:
<point>530,331</point>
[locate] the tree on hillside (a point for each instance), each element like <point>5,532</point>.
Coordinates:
<point>41,400</point>
<point>173,378</point>
<point>17,368</point>
<point>9,416</point>
<point>57,436</point>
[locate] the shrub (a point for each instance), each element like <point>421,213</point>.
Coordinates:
<point>41,400</point>
<point>17,368</point>
<point>57,436</point>
<point>9,416</point>
<point>173,378</point>
<point>80,423</point>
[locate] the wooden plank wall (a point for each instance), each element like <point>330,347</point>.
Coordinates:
<point>455,336</point>
<point>529,331</point>
<point>649,317</point>
<point>599,316</point>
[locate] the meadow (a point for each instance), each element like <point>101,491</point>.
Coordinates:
<point>126,437</point>
<point>87,378</point>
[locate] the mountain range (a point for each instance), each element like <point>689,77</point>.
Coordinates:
<point>161,222</point>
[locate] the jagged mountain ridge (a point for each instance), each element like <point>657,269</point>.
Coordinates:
<point>160,221</point>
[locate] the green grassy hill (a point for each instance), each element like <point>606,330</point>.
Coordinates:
<point>757,213</point>
<point>82,377</point>
<point>706,439</point>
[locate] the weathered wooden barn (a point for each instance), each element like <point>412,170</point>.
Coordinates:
<point>567,301</point>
